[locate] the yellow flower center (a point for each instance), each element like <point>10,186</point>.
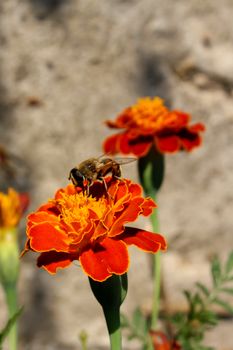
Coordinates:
<point>77,207</point>
<point>150,113</point>
<point>10,209</point>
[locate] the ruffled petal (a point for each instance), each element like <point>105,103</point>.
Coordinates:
<point>111,144</point>
<point>129,214</point>
<point>107,258</point>
<point>189,138</point>
<point>42,216</point>
<point>167,143</point>
<point>139,146</point>
<point>44,237</point>
<point>24,201</point>
<point>147,241</point>
<point>148,206</point>
<point>134,189</point>
<point>52,260</point>
<point>124,120</point>
<point>198,127</point>
<point>124,146</point>
<point>177,120</point>
<point>70,189</point>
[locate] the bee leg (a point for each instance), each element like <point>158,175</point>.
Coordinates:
<point>88,185</point>
<point>118,178</point>
<point>105,186</point>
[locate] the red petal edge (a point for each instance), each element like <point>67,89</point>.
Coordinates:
<point>147,241</point>
<point>52,260</point>
<point>103,260</point>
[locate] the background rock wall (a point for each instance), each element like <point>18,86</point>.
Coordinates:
<point>65,67</point>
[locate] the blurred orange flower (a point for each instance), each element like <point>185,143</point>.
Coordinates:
<point>161,342</point>
<point>90,228</point>
<point>12,207</point>
<point>149,122</point>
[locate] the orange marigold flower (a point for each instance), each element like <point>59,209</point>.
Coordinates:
<point>90,228</point>
<point>12,207</point>
<point>150,122</point>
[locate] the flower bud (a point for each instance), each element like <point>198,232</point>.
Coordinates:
<point>9,256</point>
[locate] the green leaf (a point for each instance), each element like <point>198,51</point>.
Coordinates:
<point>188,296</point>
<point>4,333</point>
<point>216,271</point>
<point>203,289</point>
<point>229,263</point>
<point>208,317</point>
<point>139,322</point>
<point>224,305</point>
<point>227,290</point>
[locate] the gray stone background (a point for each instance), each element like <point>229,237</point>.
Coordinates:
<point>65,67</point>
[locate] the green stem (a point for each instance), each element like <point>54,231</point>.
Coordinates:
<point>156,275</point>
<point>11,298</point>
<point>111,294</point>
<point>112,317</point>
<point>151,172</point>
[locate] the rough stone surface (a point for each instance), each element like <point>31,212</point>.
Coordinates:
<point>65,67</point>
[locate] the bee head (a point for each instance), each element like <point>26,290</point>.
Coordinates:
<point>76,177</point>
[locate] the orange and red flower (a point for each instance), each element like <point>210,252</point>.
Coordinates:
<point>161,342</point>
<point>12,207</point>
<point>150,122</point>
<point>90,228</point>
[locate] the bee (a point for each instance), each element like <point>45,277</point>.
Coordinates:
<point>93,169</point>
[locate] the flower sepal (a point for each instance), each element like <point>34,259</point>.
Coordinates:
<point>112,292</point>
<point>151,171</point>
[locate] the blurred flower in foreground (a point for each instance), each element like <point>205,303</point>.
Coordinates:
<point>74,226</point>
<point>161,342</point>
<point>149,122</point>
<point>12,207</point>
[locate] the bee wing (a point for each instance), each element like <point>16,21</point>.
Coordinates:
<point>125,160</point>
<point>119,160</point>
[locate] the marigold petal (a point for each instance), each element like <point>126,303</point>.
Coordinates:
<point>26,248</point>
<point>189,139</point>
<point>124,146</point>
<point>50,208</point>
<point>107,258</point>
<point>167,143</point>
<point>148,206</point>
<point>139,146</point>
<point>111,144</point>
<point>178,119</point>
<point>41,216</point>
<point>198,127</point>
<point>53,260</point>
<point>24,201</point>
<point>188,145</point>
<point>123,121</point>
<point>70,189</point>
<point>129,214</point>
<point>45,237</point>
<point>135,189</point>
<point>147,241</point>
<point>121,196</point>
